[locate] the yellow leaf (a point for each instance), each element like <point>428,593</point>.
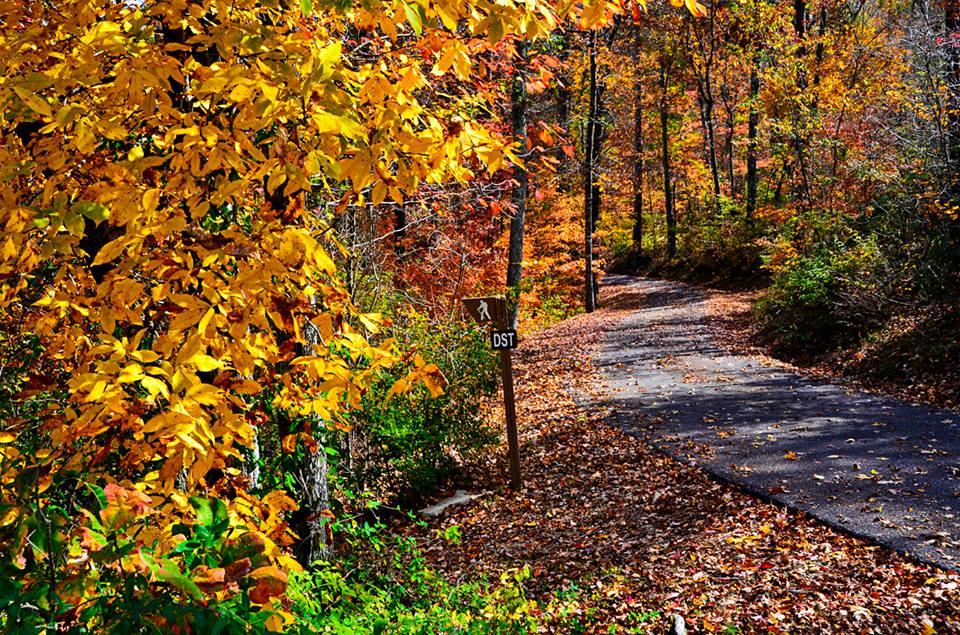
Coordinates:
<point>8,518</point>
<point>204,363</point>
<point>278,620</point>
<point>205,394</point>
<point>268,572</point>
<point>379,193</point>
<point>145,357</point>
<point>84,139</point>
<point>327,123</point>
<point>331,54</point>
<point>99,388</point>
<point>187,319</point>
<point>446,58</point>
<point>67,114</point>
<point>371,321</point>
<point>34,102</point>
<point>400,386</point>
<point>246,387</point>
<point>103,33</point>
<point>277,178</point>
<point>205,321</point>
<point>112,250</point>
<point>242,91</point>
<point>155,387</point>
<point>448,15</point>
<point>130,374</point>
<point>695,8</point>
<point>150,200</point>
<point>462,63</point>
<point>190,348</point>
<point>190,441</point>
<point>9,250</point>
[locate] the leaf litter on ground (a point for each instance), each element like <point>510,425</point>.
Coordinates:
<point>635,536</point>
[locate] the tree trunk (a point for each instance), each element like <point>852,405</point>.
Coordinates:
<point>251,467</point>
<point>518,97</point>
<point>599,135</point>
<point>706,96</point>
<point>952,39</point>
<point>311,476</point>
<point>730,108</point>
<point>588,180</point>
<point>667,190</point>
<point>800,28</point>
<point>563,114</point>
<point>400,230</point>
<point>637,148</point>
<point>799,137</point>
<point>309,521</point>
<point>706,42</point>
<point>752,122</point>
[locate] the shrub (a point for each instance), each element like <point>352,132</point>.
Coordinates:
<point>826,297</point>
<point>394,591</point>
<point>406,445</point>
<point>214,580</point>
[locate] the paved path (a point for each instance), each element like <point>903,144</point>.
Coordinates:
<point>875,466</point>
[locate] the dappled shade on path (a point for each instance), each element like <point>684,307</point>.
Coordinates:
<point>877,466</point>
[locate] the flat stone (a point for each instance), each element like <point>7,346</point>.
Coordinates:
<point>436,510</point>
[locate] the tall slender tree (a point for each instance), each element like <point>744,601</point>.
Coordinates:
<point>702,58</point>
<point>668,195</point>
<point>518,118</point>
<point>637,143</point>
<point>753,120</point>
<point>589,175</point>
<point>952,46</point>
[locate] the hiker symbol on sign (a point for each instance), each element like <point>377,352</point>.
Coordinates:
<point>484,311</point>
<point>491,310</point>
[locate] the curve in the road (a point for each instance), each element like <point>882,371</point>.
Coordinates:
<point>875,466</point>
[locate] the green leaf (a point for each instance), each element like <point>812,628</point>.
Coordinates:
<point>94,211</point>
<point>211,513</point>
<point>98,492</point>
<point>413,17</point>
<point>306,7</point>
<point>167,571</point>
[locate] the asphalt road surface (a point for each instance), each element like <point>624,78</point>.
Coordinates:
<point>875,466</point>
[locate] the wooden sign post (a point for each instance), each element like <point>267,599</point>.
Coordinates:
<point>492,312</point>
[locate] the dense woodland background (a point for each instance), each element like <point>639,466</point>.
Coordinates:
<point>236,236</point>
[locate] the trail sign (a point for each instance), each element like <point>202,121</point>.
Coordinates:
<point>503,340</point>
<point>488,311</point>
<point>492,312</point>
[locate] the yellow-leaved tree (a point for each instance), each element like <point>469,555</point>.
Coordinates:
<point>168,170</point>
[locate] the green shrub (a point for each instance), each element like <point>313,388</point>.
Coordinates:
<point>385,586</point>
<point>824,298</point>
<point>408,444</point>
<point>337,599</point>
<point>130,585</point>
